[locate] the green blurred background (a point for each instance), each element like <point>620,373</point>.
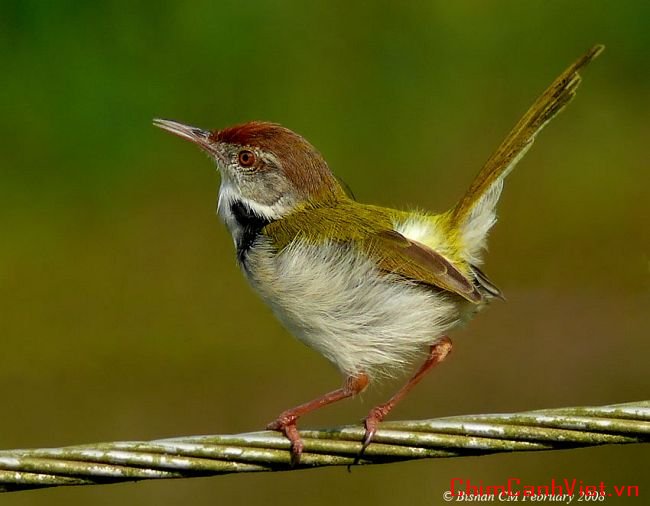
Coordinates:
<point>123,314</point>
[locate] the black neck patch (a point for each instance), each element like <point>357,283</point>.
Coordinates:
<point>251,225</point>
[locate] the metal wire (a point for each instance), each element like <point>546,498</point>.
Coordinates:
<point>458,436</point>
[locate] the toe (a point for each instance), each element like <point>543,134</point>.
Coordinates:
<point>287,425</point>
<point>297,447</point>
<point>371,423</point>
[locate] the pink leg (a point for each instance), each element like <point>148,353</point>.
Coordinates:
<point>286,422</point>
<point>437,353</point>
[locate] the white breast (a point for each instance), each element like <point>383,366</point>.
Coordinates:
<point>333,298</point>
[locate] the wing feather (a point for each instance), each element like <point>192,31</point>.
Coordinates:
<point>415,261</point>
<point>369,229</point>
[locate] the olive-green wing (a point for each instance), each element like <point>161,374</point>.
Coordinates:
<point>397,254</point>
<point>370,229</point>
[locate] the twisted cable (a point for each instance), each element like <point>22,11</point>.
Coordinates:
<point>184,457</point>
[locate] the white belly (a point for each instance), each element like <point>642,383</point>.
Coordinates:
<point>335,301</point>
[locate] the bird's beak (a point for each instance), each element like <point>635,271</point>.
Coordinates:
<point>196,135</point>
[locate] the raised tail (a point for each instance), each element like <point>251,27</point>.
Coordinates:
<point>475,214</point>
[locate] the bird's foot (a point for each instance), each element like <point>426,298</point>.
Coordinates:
<point>437,353</point>
<point>286,423</point>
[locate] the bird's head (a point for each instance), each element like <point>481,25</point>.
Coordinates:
<point>265,167</point>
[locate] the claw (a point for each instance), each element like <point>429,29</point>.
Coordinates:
<point>371,424</point>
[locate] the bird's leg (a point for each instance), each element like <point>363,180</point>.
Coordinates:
<point>437,353</point>
<point>286,422</point>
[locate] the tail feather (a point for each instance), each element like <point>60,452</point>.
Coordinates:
<point>474,214</point>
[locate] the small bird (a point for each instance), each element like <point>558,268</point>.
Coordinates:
<point>370,288</point>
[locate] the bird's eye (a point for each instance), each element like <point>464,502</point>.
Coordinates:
<point>246,158</point>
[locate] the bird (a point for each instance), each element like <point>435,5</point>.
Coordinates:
<point>370,288</point>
